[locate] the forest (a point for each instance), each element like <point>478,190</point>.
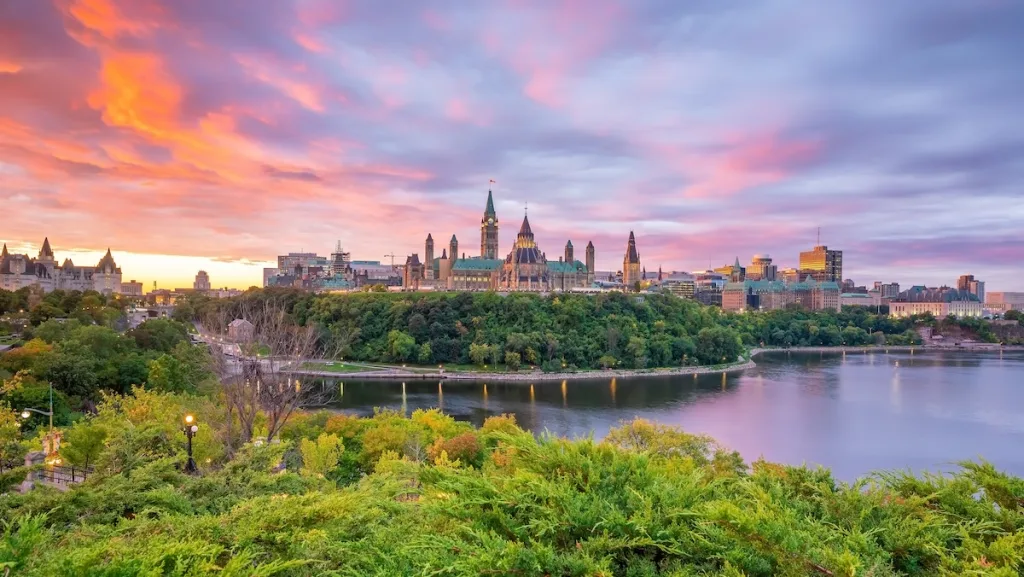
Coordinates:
<point>555,332</point>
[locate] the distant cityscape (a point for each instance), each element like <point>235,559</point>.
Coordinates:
<point>817,282</point>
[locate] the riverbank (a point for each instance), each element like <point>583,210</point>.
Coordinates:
<point>400,374</point>
<point>389,373</point>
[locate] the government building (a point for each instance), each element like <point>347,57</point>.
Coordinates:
<point>20,271</point>
<point>525,268</point>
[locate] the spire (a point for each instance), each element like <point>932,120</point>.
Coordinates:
<point>489,211</point>
<point>632,256</point>
<point>107,262</point>
<point>444,253</point>
<point>569,244</point>
<point>454,239</point>
<point>4,254</point>
<point>737,265</point>
<point>430,238</point>
<point>46,251</point>
<point>525,229</point>
<point>590,245</point>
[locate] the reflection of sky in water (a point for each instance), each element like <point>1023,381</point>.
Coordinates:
<point>854,412</point>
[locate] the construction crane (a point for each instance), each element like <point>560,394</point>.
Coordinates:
<point>392,259</point>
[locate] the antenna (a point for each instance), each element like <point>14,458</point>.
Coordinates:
<point>819,237</point>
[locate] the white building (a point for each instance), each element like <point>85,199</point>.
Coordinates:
<point>868,299</point>
<point>19,271</point>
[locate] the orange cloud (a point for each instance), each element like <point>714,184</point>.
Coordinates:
<point>9,67</point>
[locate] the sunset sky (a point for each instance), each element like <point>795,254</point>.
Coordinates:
<point>216,134</point>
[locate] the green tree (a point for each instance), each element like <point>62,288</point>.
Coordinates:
<point>512,361</point>
<point>480,353</point>
<point>82,444</point>
<point>401,346</point>
<point>717,345</point>
<point>425,355</point>
<point>167,374</point>
<point>321,456</point>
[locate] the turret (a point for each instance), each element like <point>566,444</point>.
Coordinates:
<point>569,256</point>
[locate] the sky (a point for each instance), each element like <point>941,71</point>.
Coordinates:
<point>217,134</point>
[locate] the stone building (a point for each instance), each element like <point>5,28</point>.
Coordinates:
<point>20,270</point>
<point>772,295</point>
<point>525,268</point>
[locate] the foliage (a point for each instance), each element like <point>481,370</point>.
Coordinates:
<point>482,328</point>
<point>319,457</point>
<point>82,444</point>
<point>648,500</point>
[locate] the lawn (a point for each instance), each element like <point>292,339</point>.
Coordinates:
<point>339,367</point>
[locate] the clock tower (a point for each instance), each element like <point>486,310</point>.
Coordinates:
<point>489,230</point>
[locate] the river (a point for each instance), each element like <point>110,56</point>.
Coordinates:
<point>854,413</point>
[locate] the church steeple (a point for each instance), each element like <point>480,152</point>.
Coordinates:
<point>4,254</point>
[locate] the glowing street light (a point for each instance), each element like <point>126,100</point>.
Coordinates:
<point>190,429</point>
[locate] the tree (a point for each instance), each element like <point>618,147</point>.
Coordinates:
<point>717,345</point>
<point>1014,315</point>
<point>401,346</point>
<point>11,450</point>
<point>512,361</point>
<point>479,353</point>
<point>321,456</point>
<point>425,354</point>
<point>266,387</point>
<point>82,444</point>
<point>166,374</point>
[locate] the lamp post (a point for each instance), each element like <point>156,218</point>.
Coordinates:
<point>26,412</point>
<point>190,430</point>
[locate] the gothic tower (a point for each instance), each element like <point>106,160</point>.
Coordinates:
<point>428,266</point>
<point>489,230</point>
<point>631,263</point>
<point>569,256</point>
<point>590,262</point>
<point>453,248</point>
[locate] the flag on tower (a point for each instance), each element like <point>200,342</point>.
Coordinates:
<point>494,181</point>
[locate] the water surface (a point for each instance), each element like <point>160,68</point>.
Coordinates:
<point>854,413</point>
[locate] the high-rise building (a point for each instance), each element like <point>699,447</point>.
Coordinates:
<point>488,231</point>
<point>631,263</point>
<point>822,264</point>
<point>761,268</point>
<point>202,282</point>
<point>972,285</point>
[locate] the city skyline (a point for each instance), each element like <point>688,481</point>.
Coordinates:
<point>203,136</point>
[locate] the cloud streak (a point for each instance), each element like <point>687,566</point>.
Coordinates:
<point>240,129</point>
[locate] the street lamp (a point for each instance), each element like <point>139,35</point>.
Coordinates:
<point>27,411</point>
<point>190,430</point>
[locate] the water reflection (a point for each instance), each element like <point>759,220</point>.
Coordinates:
<point>855,413</point>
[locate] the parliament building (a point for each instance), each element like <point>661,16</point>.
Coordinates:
<point>525,268</point>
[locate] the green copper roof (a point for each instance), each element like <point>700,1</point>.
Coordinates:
<point>567,267</point>
<point>489,211</point>
<point>484,264</point>
<point>779,286</point>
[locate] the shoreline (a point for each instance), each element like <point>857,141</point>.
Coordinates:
<point>388,374</point>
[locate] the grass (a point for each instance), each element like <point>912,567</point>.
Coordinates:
<point>339,367</point>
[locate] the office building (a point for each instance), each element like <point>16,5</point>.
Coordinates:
<point>822,264</point>
<point>761,268</point>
